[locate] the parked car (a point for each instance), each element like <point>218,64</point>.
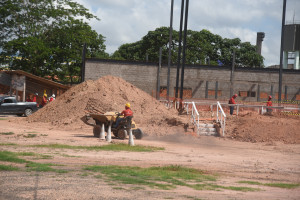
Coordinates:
<point>9,105</point>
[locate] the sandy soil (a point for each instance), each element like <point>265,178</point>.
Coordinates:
<point>232,160</point>
<point>258,148</point>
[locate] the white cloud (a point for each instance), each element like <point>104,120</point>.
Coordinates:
<point>126,21</point>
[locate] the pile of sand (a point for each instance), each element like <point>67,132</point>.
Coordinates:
<point>253,127</point>
<point>109,94</point>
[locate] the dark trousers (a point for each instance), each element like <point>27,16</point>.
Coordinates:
<point>231,109</point>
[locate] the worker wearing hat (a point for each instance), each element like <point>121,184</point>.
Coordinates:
<point>127,112</point>
<point>44,101</point>
<point>232,101</point>
<point>269,103</point>
<point>52,98</point>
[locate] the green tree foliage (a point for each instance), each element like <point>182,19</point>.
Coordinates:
<point>46,37</point>
<point>201,47</point>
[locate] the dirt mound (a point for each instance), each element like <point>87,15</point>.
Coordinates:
<point>253,127</point>
<point>109,94</point>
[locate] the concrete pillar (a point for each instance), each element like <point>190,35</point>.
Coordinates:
<point>206,90</point>
<point>285,59</point>
<point>272,88</point>
<point>216,90</point>
<point>296,61</point>
<point>285,92</point>
<point>258,92</point>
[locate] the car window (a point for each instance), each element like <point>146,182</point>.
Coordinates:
<point>8,101</point>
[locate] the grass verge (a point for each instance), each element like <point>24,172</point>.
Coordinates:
<point>7,133</point>
<point>13,157</point>
<point>8,168</point>
<point>164,178</point>
<point>8,144</point>
<point>109,147</point>
<point>279,185</point>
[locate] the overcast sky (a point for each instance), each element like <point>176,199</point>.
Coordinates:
<point>127,21</point>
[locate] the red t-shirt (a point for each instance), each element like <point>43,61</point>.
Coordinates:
<point>127,112</point>
<point>231,101</point>
<point>269,103</point>
<point>44,101</point>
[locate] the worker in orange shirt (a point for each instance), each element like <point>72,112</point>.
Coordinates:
<point>127,112</point>
<point>52,98</point>
<point>44,101</point>
<point>269,103</point>
<point>232,101</point>
<point>34,99</point>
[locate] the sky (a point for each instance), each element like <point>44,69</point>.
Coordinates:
<point>127,21</point>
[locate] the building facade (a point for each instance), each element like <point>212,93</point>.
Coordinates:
<point>200,81</point>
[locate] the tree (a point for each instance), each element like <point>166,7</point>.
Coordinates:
<point>46,37</point>
<point>201,47</point>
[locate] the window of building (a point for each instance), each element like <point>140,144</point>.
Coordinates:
<point>247,94</point>
<point>263,95</point>
<point>251,94</point>
<point>187,93</point>
<point>282,96</point>
<point>243,93</point>
<point>213,93</point>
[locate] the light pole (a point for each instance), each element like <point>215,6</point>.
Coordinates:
<point>170,42</point>
<point>281,51</point>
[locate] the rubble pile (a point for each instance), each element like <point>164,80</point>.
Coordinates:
<point>109,94</point>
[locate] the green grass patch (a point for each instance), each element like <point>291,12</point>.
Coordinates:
<point>32,132</point>
<point>11,157</point>
<point>155,177</point>
<point>69,156</point>
<point>218,187</point>
<point>31,166</point>
<point>30,135</point>
<point>3,118</point>
<point>7,133</point>
<point>279,185</point>
<point>8,144</point>
<point>43,167</point>
<point>8,168</point>
<point>118,188</point>
<point>109,147</point>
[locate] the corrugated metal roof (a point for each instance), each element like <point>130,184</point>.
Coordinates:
<point>39,79</point>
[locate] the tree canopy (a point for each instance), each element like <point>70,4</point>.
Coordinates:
<point>202,47</point>
<point>46,37</point>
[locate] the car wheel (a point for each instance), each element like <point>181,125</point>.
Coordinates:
<point>27,112</point>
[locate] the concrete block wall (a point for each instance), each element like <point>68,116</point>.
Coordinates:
<point>201,80</point>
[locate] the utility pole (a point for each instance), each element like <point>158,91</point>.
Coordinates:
<point>158,75</point>
<point>184,47</point>
<point>169,57</point>
<point>179,49</point>
<point>83,63</point>
<point>281,52</point>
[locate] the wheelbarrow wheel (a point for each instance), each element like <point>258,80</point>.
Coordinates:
<point>122,134</point>
<point>97,130</point>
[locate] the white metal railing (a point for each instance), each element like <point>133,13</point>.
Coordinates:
<point>195,117</point>
<point>222,118</point>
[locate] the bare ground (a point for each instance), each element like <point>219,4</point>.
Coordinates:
<point>233,161</point>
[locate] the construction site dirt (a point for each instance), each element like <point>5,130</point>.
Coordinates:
<point>257,151</point>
